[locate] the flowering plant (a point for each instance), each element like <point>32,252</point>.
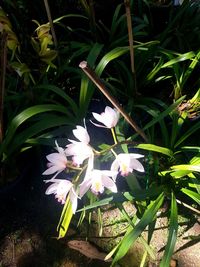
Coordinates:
<point>81,163</point>
<point>94,176</point>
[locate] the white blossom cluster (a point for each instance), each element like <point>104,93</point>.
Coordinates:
<point>80,153</point>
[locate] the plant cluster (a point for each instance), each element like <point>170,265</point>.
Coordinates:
<point>165,178</point>
<point>84,163</point>
<point>148,63</point>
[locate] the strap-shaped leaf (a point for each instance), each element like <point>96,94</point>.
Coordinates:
<point>65,219</point>
<point>45,123</point>
<point>96,204</point>
<point>195,196</point>
<point>187,167</point>
<point>159,149</point>
<point>173,228</point>
<point>61,93</point>
<point>131,237</point>
<point>188,133</point>
<point>165,113</point>
<point>87,88</point>
<point>143,194</point>
<point>179,58</point>
<point>27,114</point>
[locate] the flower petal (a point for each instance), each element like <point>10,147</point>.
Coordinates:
<point>110,173</point>
<point>84,187</point>
<point>109,117</point>
<point>51,189</point>
<point>135,156</point>
<point>112,116</point>
<point>52,170</point>
<point>115,167</point>
<point>56,157</point>
<point>109,183</point>
<point>98,117</point>
<point>81,134</point>
<point>136,165</point>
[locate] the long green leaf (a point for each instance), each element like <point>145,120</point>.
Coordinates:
<point>61,93</point>
<point>115,53</point>
<point>143,194</point>
<point>159,149</point>
<point>187,167</point>
<point>173,228</point>
<point>87,87</point>
<point>195,196</point>
<point>45,123</point>
<point>65,219</point>
<point>164,113</point>
<point>191,67</point>
<point>130,238</point>
<point>96,204</point>
<point>115,22</point>
<point>27,114</point>
<point>191,148</point>
<point>148,248</point>
<point>180,58</point>
<point>188,133</point>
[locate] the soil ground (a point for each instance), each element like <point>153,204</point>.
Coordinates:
<point>28,220</point>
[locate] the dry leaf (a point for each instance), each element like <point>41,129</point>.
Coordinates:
<point>87,249</point>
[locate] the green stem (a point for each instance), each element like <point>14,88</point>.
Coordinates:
<point>79,174</point>
<point>114,135</point>
<point>113,152</point>
<point>98,153</point>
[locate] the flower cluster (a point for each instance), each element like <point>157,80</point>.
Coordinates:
<point>79,157</point>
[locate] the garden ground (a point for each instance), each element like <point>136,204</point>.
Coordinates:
<point>28,229</point>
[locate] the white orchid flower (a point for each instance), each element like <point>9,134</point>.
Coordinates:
<point>126,163</point>
<point>80,150</point>
<point>109,117</point>
<point>61,188</point>
<point>57,162</point>
<point>97,180</point>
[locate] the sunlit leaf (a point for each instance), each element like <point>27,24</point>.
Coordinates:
<point>180,58</point>
<point>96,204</point>
<point>187,167</point>
<point>27,114</point>
<point>155,148</point>
<point>195,196</point>
<point>130,238</point>
<point>65,219</point>
<point>173,228</point>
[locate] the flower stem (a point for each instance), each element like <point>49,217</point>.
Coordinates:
<point>113,152</point>
<point>114,135</point>
<point>76,178</point>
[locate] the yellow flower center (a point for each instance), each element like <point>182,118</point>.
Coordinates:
<point>97,186</point>
<point>124,168</point>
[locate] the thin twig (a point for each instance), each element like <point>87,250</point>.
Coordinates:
<point>95,79</point>
<point>2,79</point>
<point>51,22</point>
<point>130,38</point>
<point>187,206</point>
